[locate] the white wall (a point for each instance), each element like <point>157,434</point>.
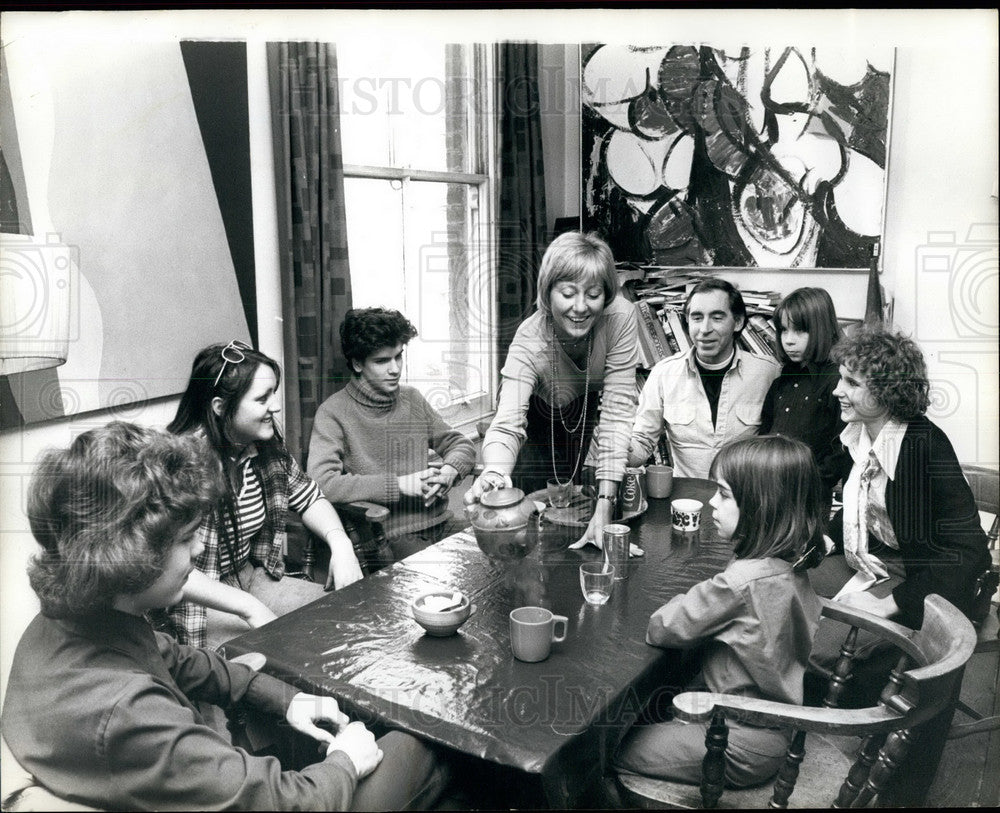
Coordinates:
<point>941,230</point>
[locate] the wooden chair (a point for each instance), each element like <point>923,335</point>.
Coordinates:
<point>365,523</point>
<point>985,485</point>
<point>922,684</point>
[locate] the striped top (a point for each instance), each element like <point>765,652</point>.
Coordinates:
<point>251,513</point>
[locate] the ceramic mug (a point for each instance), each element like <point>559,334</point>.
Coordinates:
<point>685,515</point>
<point>532,631</point>
<point>659,481</point>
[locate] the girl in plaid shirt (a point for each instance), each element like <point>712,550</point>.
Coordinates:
<point>231,401</point>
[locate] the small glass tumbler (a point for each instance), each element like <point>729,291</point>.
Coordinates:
<point>596,581</point>
<point>560,492</point>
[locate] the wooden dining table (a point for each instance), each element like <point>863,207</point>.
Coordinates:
<point>557,721</point>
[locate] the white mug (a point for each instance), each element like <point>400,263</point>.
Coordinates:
<point>685,515</point>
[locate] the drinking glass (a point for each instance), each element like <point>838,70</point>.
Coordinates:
<point>560,492</point>
<point>596,580</point>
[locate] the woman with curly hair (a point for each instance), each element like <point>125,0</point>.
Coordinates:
<point>909,525</point>
<point>103,711</point>
<point>379,440</point>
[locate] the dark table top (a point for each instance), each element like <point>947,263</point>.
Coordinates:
<point>559,718</point>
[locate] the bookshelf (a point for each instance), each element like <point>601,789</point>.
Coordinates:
<point>659,293</point>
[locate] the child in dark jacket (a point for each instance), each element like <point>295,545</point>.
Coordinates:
<point>800,403</point>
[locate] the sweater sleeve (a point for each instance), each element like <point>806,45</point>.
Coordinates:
<point>453,447</point>
<point>161,758</point>
<point>700,613</point>
<point>936,523</point>
<point>507,431</point>
<point>326,466</point>
<point>618,398</point>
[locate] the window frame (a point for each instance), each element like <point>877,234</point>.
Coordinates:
<point>466,413</point>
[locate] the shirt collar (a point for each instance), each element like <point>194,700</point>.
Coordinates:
<point>692,359</point>
<point>885,447</point>
<point>248,453</point>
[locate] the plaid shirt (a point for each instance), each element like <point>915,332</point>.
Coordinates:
<point>280,477</point>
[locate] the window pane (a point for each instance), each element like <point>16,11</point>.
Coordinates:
<point>375,242</point>
<point>410,247</point>
<point>405,107</point>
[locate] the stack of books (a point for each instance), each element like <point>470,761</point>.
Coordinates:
<point>759,335</point>
<point>659,295</point>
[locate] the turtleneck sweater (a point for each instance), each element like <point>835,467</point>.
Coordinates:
<point>363,440</point>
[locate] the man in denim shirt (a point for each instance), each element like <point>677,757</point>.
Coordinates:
<point>711,394</point>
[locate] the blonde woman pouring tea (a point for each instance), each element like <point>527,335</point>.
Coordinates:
<point>567,392</point>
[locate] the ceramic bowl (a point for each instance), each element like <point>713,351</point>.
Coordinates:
<point>444,623</point>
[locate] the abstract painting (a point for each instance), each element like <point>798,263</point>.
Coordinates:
<point>736,157</point>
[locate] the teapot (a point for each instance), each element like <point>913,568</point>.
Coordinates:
<point>506,524</point>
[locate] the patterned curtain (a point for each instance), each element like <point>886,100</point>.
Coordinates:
<point>312,231</point>
<point>522,224</point>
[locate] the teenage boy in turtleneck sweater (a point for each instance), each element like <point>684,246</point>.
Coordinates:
<point>370,441</point>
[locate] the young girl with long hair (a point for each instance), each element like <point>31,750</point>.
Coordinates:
<point>231,401</point>
<point>800,403</point>
<point>755,620</point>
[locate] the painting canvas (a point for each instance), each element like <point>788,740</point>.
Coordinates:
<point>148,230</point>
<point>769,157</point>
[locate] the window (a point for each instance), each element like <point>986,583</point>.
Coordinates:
<point>417,146</point>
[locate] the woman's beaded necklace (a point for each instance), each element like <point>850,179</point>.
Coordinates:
<point>582,423</point>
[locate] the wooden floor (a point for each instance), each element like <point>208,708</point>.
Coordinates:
<point>969,773</point>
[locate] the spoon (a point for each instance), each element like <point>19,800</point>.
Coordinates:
<point>456,602</point>
<point>452,604</point>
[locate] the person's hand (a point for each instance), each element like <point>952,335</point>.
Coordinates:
<point>412,485</point>
<point>594,535</point>
<point>344,566</point>
<point>487,481</point>
<point>257,614</point>
<point>636,455</point>
<point>359,744</point>
<point>305,709</point>
<point>439,484</point>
